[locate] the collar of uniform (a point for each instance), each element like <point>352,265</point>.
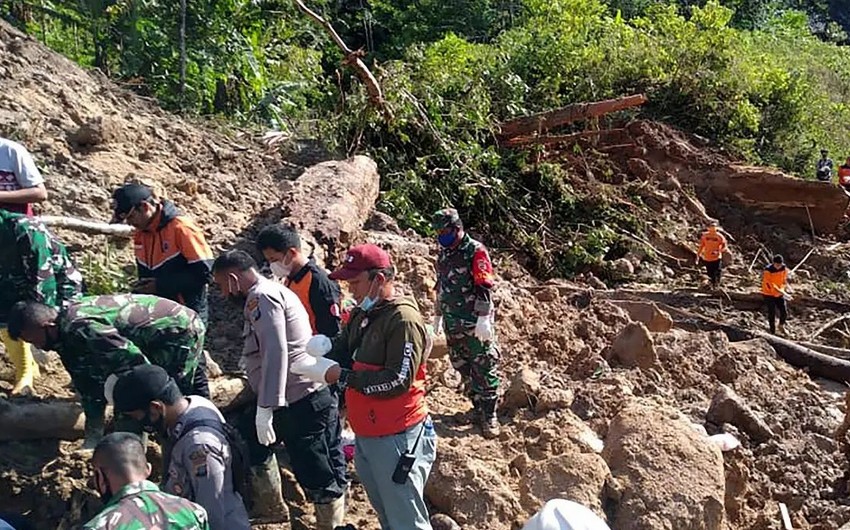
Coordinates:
<point>132,489</point>
<point>298,276</point>
<point>463,242</point>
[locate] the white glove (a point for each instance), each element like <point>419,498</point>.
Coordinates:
<point>109,388</point>
<point>319,345</point>
<point>263,422</point>
<point>484,329</point>
<point>314,368</point>
<point>437,324</point>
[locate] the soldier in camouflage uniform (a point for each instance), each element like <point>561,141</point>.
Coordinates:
<point>100,337</point>
<point>34,266</point>
<point>465,309</point>
<point>131,502</point>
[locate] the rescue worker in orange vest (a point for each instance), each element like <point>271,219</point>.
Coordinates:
<point>712,245</point>
<point>844,174</point>
<point>773,284</point>
<point>385,388</point>
<point>320,295</point>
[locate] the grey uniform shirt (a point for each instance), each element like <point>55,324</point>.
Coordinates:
<point>199,468</point>
<point>276,332</point>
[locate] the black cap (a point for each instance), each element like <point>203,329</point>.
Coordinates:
<point>136,388</point>
<point>128,197</point>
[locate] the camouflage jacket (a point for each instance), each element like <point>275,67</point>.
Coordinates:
<point>117,332</point>
<point>34,265</point>
<point>464,281</point>
<point>141,506</point>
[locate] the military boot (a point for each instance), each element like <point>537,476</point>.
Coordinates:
<point>94,426</point>
<point>267,493</point>
<point>487,418</point>
<point>331,515</point>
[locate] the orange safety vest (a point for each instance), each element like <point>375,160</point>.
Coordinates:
<point>371,416</point>
<point>711,246</point>
<point>773,279</point>
<point>844,174</point>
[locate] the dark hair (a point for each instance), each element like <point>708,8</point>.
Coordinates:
<point>234,259</point>
<point>778,259</point>
<point>122,453</point>
<point>389,273</point>
<point>278,237</point>
<point>27,315</point>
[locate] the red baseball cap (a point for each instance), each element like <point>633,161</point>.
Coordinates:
<point>361,258</point>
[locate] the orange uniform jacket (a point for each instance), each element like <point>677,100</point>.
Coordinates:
<point>774,278</point>
<point>174,251</point>
<point>320,296</point>
<point>711,246</point>
<point>844,174</point>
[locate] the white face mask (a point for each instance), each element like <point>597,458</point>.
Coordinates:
<point>279,269</point>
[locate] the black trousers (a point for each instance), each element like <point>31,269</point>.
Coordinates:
<point>714,269</point>
<point>310,430</point>
<point>774,304</point>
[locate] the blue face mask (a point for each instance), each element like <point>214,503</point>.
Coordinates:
<point>447,240</point>
<point>368,303</point>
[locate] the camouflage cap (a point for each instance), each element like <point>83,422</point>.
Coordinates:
<point>445,218</point>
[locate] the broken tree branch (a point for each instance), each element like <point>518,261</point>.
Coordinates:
<point>352,59</point>
<point>87,227</point>
<point>828,325</point>
<point>538,123</point>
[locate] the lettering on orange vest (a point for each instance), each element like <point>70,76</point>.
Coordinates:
<point>371,416</point>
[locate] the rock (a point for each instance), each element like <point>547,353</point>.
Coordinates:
<point>101,130</point>
<point>548,293</point>
<point>726,368</point>
<point>348,188</point>
<point>670,476</point>
<point>554,399</point>
<point>577,476</point>
<point>472,491</point>
<point>523,390</point>
<point>640,168</point>
<point>623,268</point>
<point>633,347</point>
<point>442,521</point>
<point>728,407</point>
<point>381,222</point>
<point>647,313</point>
<point>596,283</point>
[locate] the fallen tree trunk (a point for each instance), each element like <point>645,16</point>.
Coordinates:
<point>841,353</point>
<point>64,420</point>
<point>538,123</point>
<point>348,190</point>
<point>87,227</point>
<point>816,363</point>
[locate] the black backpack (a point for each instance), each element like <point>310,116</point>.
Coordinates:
<point>240,462</point>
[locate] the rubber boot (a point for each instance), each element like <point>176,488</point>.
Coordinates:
<point>267,493</point>
<point>94,425</point>
<point>25,367</point>
<point>489,422</point>
<point>329,516</point>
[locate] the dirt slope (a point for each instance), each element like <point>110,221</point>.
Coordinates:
<point>578,422</point>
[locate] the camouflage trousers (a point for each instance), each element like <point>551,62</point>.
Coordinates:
<point>478,364</point>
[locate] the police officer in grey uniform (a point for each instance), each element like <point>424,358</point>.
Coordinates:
<point>198,462</point>
<point>304,415</point>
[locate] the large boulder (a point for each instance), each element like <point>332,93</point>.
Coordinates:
<point>472,491</point>
<point>633,347</point>
<point>728,407</point>
<point>331,201</point>
<point>648,314</point>
<point>667,475</point>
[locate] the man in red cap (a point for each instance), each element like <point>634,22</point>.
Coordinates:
<point>379,358</point>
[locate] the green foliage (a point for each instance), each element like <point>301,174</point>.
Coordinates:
<point>748,74</point>
<point>103,274</point>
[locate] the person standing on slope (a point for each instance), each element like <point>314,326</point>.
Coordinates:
<point>712,245</point>
<point>465,309</point>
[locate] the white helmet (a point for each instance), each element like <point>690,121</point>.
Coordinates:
<point>560,514</point>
